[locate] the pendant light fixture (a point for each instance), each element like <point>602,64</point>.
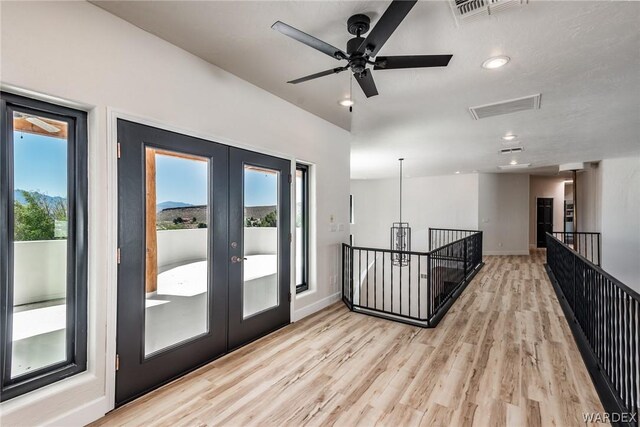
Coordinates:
<point>400,235</point>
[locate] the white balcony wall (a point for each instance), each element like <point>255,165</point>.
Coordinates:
<point>260,240</point>
<point>39,271</point>
<point>175,247</point>
<point>180,246</point>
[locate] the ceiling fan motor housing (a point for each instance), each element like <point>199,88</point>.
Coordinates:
<point>353,44</point>
<point>358,24</point>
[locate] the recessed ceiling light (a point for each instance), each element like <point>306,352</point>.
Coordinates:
<point>495,62</point>
<point>346,102</point>
<point>509,137</point>
<point>457,172</point>
<point>513,162</point>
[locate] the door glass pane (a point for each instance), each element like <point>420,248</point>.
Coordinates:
<point>177,259</point>
<point>260,264</point>
<point>40,230</point>
<point>299,226</point>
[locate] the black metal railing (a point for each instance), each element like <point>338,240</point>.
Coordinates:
<point>586,244</point>
<point>419,293</point>
<point>603,315</point>
<point>439,237</point>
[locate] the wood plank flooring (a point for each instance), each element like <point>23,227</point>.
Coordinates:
<point>503,355</point>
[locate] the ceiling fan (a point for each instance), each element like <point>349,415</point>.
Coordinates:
<point>362,51</point>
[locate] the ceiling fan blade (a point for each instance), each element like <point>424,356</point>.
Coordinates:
<point>387,24</point>
<point>310,41</point>
<point>316,75</point>
<point>411,61</point>
<point>365,80</point>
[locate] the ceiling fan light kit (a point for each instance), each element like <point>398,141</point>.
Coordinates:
<point>361,51</point>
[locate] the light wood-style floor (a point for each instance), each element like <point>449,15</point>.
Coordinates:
<point>503,355</point>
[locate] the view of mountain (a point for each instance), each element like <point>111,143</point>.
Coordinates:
<point>51,200</point>
<point>170,204</point>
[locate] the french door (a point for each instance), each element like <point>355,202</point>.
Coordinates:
<point>204,258</point>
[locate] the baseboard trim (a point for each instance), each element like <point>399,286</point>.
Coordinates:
<point>82,415</point>
<point>316,306</point>
<point>520,252</point>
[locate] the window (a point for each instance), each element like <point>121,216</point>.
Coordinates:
<point>43,244</point>
<point>302,228</point>
<point>352,219</point>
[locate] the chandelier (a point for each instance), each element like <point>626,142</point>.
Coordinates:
<point>400,235</point>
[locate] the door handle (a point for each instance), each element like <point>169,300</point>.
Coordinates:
<point>236,259</point>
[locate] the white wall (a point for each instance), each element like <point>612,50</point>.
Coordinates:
<point>621,219</point>
<point>437,201</point>
<point>503,213</point>
<point>80,53</point>
<point>46,282</point>
<point>590,198</point>
<point>548,187</point>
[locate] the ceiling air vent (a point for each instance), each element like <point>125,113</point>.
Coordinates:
<point>516,166</point>
<point>506,107</point>
<point>466,10</point>
<point>511,150</point>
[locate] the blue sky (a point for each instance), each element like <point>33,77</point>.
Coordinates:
<point>183,180</point>
<point>260,189</point>
<point>40,164</point>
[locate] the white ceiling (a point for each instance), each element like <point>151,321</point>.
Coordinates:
<point>584,57</point>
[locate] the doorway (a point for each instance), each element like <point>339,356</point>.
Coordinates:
<point>544,218</point>
<point>204,260</point>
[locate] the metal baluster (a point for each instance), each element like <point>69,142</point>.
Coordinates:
<point>383,282</point>
<point>635,356</point>
<point>366,269</point>
<point>359,277</point>
<point>400,284</point>
<point>617,338</point>
<point>419,284</point>
<point>627,321</point>
<point>375,279</point>
<point>429,286</point>
<point>410,257</point>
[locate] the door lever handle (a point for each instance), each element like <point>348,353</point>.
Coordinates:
<point>235,259</point>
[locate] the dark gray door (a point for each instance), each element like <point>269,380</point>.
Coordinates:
<point>259,230</point>
<point>544,215</point>
<point>172,277</point>
<point>204,235</point>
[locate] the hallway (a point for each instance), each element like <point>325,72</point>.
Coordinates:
<point>503,355</point>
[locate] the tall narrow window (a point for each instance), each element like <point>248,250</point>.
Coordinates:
<point>352,219</point>
<point>43,240</point>
<point>302,228</point>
